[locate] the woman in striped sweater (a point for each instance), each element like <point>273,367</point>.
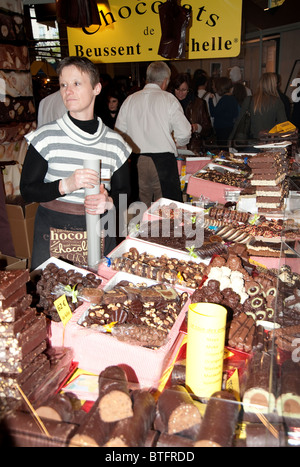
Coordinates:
<point>54,175</point>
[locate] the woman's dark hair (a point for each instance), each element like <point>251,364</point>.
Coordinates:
<point>223,85</point>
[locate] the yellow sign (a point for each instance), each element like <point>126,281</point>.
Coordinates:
<point>63,309</point>
<point>130,31</point>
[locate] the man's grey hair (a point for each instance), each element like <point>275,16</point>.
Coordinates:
<point>157,72</point>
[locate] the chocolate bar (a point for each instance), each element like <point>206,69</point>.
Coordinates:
<point>10,281</point>
<point>115,402</point>
<point>26,380</point>
<point>14,365</point>
<point>13,298</point>
<point>12,313</point>
<point>33,334</point>
<point>178,413</point>
<point>219,421</point>
<point>132,432</point>
<point>11,329</point>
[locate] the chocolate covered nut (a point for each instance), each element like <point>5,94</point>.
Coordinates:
<point>114,399</point>
<point>219,421</point>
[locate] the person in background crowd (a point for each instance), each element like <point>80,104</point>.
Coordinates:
<point>225,112</point>
<point>153,120</point>
<point>50,108</point>
<point>53,173</point>
<point>266,108</point>
<point>195,109</point>
<point>235,75</point>
<point>110,111</point>
<point>284,98</point>
<point>239,92</point>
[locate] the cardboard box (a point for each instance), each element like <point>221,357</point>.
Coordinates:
<point>21,220</point>
<point>9,263</point>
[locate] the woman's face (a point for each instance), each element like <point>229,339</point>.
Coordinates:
<point>113,103</point>
<point>182,91</point>
<point>77,92</point>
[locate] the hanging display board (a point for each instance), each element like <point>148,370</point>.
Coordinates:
<point>131,31</point>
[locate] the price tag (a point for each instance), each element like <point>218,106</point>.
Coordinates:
<point>63,309</point>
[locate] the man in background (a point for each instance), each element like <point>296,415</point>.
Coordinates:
<point>153,123</point>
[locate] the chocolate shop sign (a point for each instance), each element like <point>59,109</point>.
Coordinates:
<point>130,31</point>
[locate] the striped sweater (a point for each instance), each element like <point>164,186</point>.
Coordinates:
<point>65,146</point>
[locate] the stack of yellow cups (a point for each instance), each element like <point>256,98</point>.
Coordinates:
<point>205,348</point>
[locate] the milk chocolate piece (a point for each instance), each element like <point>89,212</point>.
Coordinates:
<point>178,413</point>
<point>91,294</point>
<point>288,403</point>
<point>259,395</point>
<point>114,399</point>
<point>219,421</point>
<point>11,281</point>
<point>132,432</point>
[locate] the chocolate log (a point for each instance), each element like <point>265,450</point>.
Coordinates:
<point>58,407</point>
<point>93,432</point>
<point>178,413</point>
<point>219,421</point>
<point>174,441</point>
<point>114,399</point>
<point>288,403</point>
<point>258,435</point>
<point>133,431</point>
<point>260,390</point>
<point>24,431</point>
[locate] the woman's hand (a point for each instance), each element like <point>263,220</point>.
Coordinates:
<point>80,178</point>
<point>98,204</point>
